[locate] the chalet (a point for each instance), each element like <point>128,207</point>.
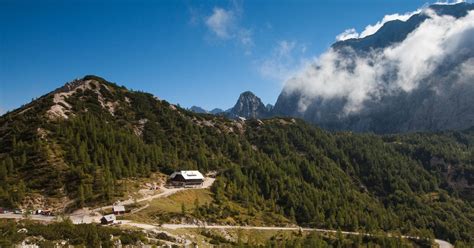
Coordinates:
<point>108,219</point>
<point>118,209</point>
<point>186,178</point>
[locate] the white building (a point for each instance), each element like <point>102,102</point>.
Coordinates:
<point>186,177</point>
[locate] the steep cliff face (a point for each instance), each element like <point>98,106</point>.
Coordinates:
<point>414,75</point>
<point>249,106</point>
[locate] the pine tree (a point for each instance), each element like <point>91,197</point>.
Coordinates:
<point>183,209</point>
<point>81,195</point>
<point>3,171</point>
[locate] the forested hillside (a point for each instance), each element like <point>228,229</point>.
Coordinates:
<point>79,141</point>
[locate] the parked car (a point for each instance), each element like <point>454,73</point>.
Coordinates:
<point>17,211</point>
<point>47,213</point>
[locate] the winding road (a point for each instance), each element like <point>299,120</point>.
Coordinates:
<point>441,243</point>
<point>85,217</point>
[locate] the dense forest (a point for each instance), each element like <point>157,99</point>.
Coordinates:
<point>417,184</point>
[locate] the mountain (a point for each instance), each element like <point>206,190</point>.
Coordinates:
<point>396,31</point>
<point>269,108</point>
<point>81,144</point>
<point>249,106</point>
<point>198,110</point>
<point>409,76</point>
<point>216,111</point>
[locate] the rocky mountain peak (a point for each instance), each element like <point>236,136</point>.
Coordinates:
<point>249,106</point>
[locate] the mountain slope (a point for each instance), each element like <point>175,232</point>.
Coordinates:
<point>413,75</point>
<point>79,141</point>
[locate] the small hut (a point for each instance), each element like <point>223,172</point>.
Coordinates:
<point>108,219</point>
<point>119,209</point>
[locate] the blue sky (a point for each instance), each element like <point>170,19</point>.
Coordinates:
<point>201,53</point>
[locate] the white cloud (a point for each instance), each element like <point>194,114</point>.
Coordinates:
<point>245,37</point>
<point>348,34</point>
<point>401,67</point>
<point>449,2</point>
<point>283,62</point>
<point>220,22</point>
<point>371,29</point>
<point>224,24</point>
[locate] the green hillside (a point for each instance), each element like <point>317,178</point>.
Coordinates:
<point>80,140</point>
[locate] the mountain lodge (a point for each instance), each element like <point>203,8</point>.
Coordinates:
<point>186,178</point>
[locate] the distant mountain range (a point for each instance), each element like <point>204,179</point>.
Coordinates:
<point>414,75</point>
<point>248,106</point>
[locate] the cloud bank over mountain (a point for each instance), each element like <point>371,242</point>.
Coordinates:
<point>360,76</point>
<point>371,29</point>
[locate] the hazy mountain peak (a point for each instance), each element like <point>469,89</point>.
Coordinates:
<point>199,110</point>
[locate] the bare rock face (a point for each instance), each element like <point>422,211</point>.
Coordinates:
<point>249,106</point>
